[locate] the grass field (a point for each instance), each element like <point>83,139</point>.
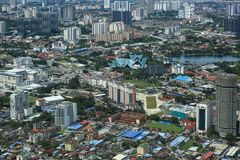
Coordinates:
<point>165,127</point>
<point>140,84</point>
<point>151,102</point>
<point>188,145</point>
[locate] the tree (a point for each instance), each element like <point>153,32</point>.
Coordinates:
<point>154,117</point>
<point>74,83</point>
<point>230,138</point>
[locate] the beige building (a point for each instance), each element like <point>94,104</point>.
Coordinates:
<point>142,149</point>
<point>122,93</point>
<point>114,37</point>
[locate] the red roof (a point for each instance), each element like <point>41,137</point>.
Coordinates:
<point>207,155</point>
<point>84,122</point>
<point>186,121</point>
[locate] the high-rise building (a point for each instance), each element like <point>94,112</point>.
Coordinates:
<point>67,13</point>
<point>231,24</point>
<point>100,28</point>
<point>121,6</point>
<point>18,102</point>
<point>21,27</point>
<point>204,116</point>
<point>116,27</point>
<point>13,3</point>
<point>187,11</point>
<point>124,16</point>
<point>107,4</point>
<point>24,2</point>
<point>226,103</point>
<point>138,14</point>
<point>65,114</point>
<point>122,93</point>
<point>72,34</point>
<point>167,5</point>
<point>2,27</point>
<point>233,9</point>
<point>45,24</point>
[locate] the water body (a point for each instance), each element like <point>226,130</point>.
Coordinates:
<point>205,59</point>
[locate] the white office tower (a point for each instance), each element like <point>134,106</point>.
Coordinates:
<point>18,102</point>
<point>13,3</point>
<point>187,11</point>
<point>121,6</point>
<point>65,114</point>
<point>167,5</point>
<point>24,2</point>
<point>117,27</point>
<point>204,116</point>
<point>27,13</point>
<point>100,28</point>
<point>72,35</point>
<point>233,9</point>
<point>107,4</point>
<point>177,69</point>
<point>2,27</point>
<point>138,13</point>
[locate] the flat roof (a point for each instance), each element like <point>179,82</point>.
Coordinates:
<point>119,157</point>
<point>54,98</point>
<point>232,151</point>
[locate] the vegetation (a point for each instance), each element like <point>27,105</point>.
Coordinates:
<point>188,145</point>
<point>140,84</point>
<point>165,127</point>
<point>74,83</point>
<point>151,102</point>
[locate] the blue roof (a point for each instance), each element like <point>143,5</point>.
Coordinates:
<point>177,141</point>
<point>136,135</point>
<point>75,126</point>
<point>95,142</point>
<point>184,79</point>
<point>131,134</point>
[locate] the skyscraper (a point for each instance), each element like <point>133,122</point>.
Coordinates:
<point>123,16</point>
<point>226,103</point>
<point>121,6</point>
<point>72,34</point>
<point>45,24</point>
<point>204,116</point>
<point>107,4</point>
<point>65,114</point>
<point>231,24</point>
<point>100,28</point>
<point>122,93</point>
<point>18,102</point>
<point>67,13</point>
<point>2,27</point>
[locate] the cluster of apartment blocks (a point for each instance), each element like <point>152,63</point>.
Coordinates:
<point>117,91</point>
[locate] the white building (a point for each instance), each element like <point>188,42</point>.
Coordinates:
<point>107,4</point>
<point>100,28</point>
<point>59,46</point>
<point>120,6</point>
<point>172,30</point>
<point>18,102</point>
<point>72,34</point>
<point>187,11</point>
<point>139,13</point>
<point>204,116</point>
<point>65,114</point>
<point>167,5</point>
<point>177,69</point>
<point>122,93</point>
<point>117,27</point>
<point>22,62</point>
<point>2,27</point>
